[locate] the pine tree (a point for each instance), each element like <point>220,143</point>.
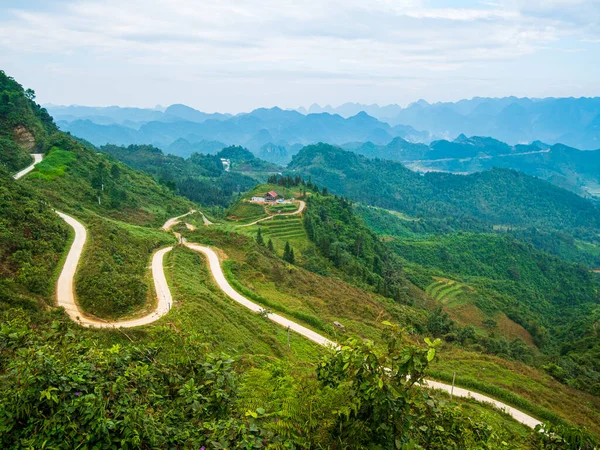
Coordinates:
<point>259,237</point>
<point>288,253</point>
<point>270,246</point>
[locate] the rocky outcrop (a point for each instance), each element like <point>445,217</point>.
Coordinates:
<point>24,138</point>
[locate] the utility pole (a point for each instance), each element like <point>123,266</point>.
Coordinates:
<point>452,389</point>
<point>288,337</point>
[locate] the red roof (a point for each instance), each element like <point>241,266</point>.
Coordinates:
<point>272,193</point>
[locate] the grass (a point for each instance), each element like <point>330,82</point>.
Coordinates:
<point>511,431</point>
<point>313,300</point>
<point>444,290</point>
<point>244,211</point>
<point>112,279</point>
<point>276,285</point>
<point>281,230</point>
<point>282,208</point>
<point>201,307</point>
<point>54,164</point>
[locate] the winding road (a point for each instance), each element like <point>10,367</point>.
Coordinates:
<point>65,295</point>
<point>37,158</point>
<point>301,207</point>
<point>66,298</point>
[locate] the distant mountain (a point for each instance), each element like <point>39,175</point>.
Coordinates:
<point>130,117</point>
<point>562,165</point>
<point>259,131</point>
<point>184,148</point>
<point>571,121</point>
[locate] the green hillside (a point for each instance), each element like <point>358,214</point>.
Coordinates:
<point>407,295</point>
<point>494,197</point>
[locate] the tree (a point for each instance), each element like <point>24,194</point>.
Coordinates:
<point>115,172</point>
<point>270,246</point>
<point>259,238</point>
<point>382,407</point>
<point>288,253</point>
<point>30,94</point>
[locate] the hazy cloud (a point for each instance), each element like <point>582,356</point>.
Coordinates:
<point>210,54</point>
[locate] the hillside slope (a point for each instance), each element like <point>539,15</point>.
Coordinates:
<point>494,197</point>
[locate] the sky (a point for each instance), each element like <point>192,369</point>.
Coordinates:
<point>237,55</point>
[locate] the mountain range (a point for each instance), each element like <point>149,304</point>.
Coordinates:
<point>571,121</point>
<point>289,130</point>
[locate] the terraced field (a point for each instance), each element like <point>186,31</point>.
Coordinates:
<point>282,229</point>
<point>282,208</point>
<point>447,291</point>
<point>244,212</point>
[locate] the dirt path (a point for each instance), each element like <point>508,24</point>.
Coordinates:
<point>65,295</point>
<point>37,158</point>
<point>219,277</point>
<point>298,211</point>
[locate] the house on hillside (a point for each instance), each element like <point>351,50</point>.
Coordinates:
<point>258,200</point>
<point>271,196</point>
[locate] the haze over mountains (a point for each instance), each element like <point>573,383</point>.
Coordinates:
<point>571,121</point>
<point>541,137</point>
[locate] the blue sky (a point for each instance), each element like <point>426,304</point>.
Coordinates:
<point>235,55</point>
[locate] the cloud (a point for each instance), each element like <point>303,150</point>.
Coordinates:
<point>278,40</point>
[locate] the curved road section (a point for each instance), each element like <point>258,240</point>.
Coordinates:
<point>65,294</point>
<point>301,207</point>
<point>219,277</point>
<point>37,158</point>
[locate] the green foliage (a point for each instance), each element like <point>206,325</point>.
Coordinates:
<point>564,437</point>
<point>259,238</point>
<point>18,111</point>
<point>497,196</point>
<point>229,269</point>
<point>12,156</point>
<point>343,238</point>
<point>54,164</point>
<point>112,279</point>
<point>288,253</point>
<point>74,177</point>
<point>32,239</point>
<point>200,178</point>
<point>58,389</point>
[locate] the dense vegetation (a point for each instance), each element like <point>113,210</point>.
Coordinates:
<point>497,196</point>
<point>331,224</point>
<point>32,240</point>
<point>115,267</point>
<point>496,200</point>
<point>201,178</point>
<point>60,390</point>
<point>555,301</point>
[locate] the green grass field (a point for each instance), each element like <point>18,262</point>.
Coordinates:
<point>202,308</point>
<point>244,212</point>
<point>517,384</point>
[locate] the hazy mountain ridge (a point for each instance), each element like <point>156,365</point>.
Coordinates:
<point>571,121</point>
<point>254,130</point>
